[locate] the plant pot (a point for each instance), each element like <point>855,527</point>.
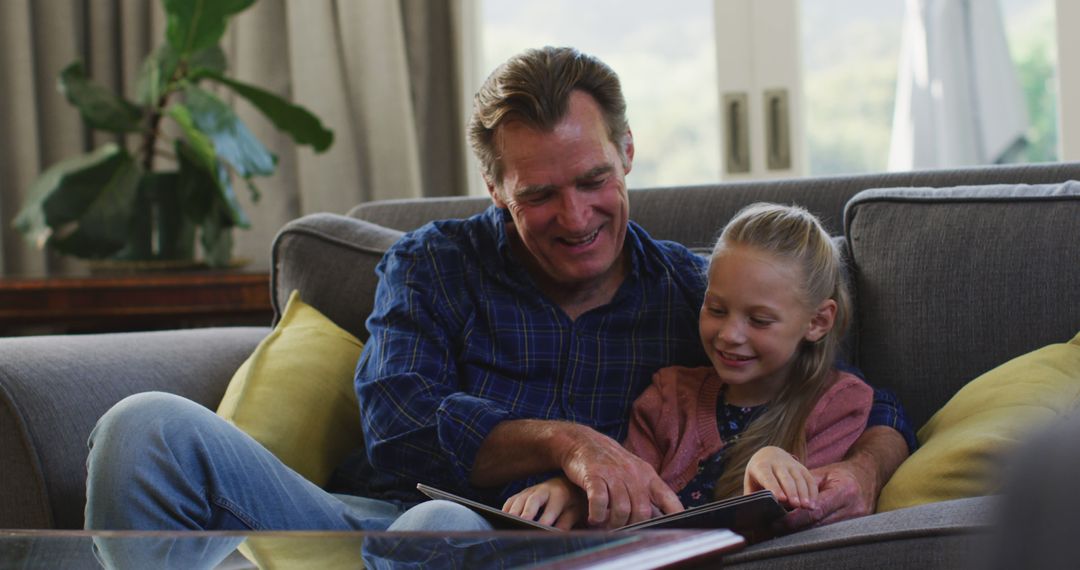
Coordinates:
<point>159,230</point>
<point>162,233</point>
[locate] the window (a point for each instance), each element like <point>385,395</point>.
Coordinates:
<point>1030,28</point>
<point>665,54</point>
<point>851,50</point>
<point>665,57</point>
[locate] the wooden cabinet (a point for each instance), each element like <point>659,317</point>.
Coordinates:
<point>150,301</point>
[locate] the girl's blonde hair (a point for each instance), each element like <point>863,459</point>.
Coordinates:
<point>790,233</point>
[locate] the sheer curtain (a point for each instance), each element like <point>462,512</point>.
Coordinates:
<point>386,76</point>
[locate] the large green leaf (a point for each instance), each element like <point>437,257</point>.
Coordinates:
<point>83,206</point>
<point>31,219</point>
<point>194,25</point>
<point>227,201</point>
<point>233,142</point>
<point>202,176</point>
<point>201,186</point>
<point>207,61</point>
<point>99,107</point>
<point>201,146</point>
<point>159,76</point>
<point>303,126</point>
<point>157,71</point>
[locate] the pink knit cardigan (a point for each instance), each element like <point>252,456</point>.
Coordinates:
<point>673,423</point>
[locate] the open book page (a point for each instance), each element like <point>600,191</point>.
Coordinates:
<point>750,515</point>
<point>497,518</point>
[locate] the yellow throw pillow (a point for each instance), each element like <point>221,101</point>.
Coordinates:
<point>295,395</point>
<point>963,443</point>
<point>288,551</point>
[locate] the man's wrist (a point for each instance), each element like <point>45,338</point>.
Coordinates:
<point>520,448</point>
<point>875,457</point>
<point>563,439</point>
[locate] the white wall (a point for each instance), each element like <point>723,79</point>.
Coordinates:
<point>1068,21</point>
<point>757,53</point>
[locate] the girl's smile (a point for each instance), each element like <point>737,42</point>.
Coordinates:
<point>734,360</point>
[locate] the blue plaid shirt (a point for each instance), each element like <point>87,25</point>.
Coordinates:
<point>462,339</point>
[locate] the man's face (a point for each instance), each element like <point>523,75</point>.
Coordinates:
<point>566,192</point>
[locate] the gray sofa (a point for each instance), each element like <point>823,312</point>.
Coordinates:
<point>949,283</point>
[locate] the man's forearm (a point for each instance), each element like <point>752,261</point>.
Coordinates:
<point>876,455</point>
<point>520,448</point>
<point>620,487</point>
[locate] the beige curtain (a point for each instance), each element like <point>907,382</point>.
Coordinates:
<point>385,75</point>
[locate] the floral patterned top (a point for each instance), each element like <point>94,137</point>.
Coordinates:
<point>731,421</point>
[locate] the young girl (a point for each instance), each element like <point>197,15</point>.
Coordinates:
<point>772,406</point>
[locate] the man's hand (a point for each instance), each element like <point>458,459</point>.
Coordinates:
<point>850,488</point>
<point>840,497</point>
<point>621,488</point>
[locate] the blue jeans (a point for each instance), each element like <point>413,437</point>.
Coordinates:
<point>161,462</point>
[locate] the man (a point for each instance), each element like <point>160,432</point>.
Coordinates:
<point>503,348</point>
<point>556,252</point>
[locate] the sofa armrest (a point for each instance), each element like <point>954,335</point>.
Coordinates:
<point>331,260</point>
<point>53,389</point>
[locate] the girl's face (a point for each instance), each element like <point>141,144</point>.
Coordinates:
<point>753,320</point>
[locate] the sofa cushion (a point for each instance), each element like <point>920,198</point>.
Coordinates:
<point>939,535</point>
<point>963,444</point>
<point>295,395</point>
<point>952,282</point>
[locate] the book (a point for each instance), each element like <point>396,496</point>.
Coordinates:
<point>750,515</point>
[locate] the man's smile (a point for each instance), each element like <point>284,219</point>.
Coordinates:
<point>582,241</point>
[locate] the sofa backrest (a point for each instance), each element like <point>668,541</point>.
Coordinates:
<point>952,282</point>
<point>692,215</point>
<point>331,258</point>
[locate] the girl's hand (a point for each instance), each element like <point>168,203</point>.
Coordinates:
<point>774,469</point>
<point>559,503</point>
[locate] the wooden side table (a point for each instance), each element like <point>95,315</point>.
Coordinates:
<point>150,301</point>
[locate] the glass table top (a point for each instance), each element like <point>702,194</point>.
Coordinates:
<point>28,549</point>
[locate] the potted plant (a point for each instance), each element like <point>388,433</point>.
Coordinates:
<point>150,202</point>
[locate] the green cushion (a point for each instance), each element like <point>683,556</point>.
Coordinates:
<point>295,395</point>
<point>962,445</point>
